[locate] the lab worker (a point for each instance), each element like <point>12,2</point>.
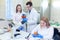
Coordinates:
<point>18,17</point>
<point>43,31</point>
<point>32,17</point>
<point>4,27</point>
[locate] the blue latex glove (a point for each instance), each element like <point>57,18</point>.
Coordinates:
<point>24,20</point>
<point>20,28</point>
<point>38,36</point>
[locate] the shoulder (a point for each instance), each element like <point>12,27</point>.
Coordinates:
<point>34,11</point>
<point>51,28</point>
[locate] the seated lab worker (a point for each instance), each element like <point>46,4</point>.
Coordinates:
<point>43,31</point>
<point>19,18</point>
<point>32,16</point>
<point>4,27</point>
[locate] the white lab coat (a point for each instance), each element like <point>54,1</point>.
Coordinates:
<point>47,33</point>
<point>32,20</point>
<point>17,18</point>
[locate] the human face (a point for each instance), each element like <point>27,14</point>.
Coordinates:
<point>19,8</point>
<point>42,23</point>
<point>28,7</point>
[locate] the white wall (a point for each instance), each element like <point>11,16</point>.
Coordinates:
<point>2,9</point>
<point>55,12</point>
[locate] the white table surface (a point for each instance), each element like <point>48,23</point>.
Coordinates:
<point>7,36</point>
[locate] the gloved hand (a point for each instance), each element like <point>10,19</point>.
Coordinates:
<point>24,20</point>
<point>38,36</point>
<point>20,28</point>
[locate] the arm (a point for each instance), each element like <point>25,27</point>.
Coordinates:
<point>34,30</point>
<point>31,37</point>
<point>33,19</point>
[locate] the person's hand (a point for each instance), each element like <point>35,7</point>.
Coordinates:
<point>36,35</point>
<point>20,28</point>
<point>9,29</point>
<point>24,20</point>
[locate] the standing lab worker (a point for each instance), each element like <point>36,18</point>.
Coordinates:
<point>32,17</point>
<point>17,17</point>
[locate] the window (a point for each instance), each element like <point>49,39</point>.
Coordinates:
<point>8,9</point>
